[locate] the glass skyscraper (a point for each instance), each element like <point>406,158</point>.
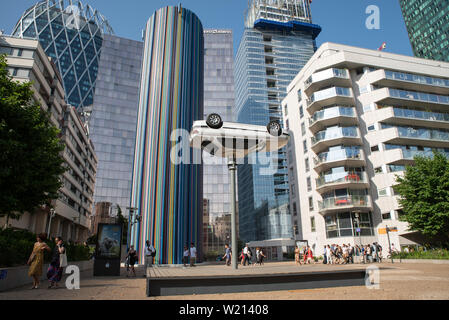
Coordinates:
<point>218,98</point>
<point>114,118</point>
<point>72,35</point>
<point>168,195</point>
<point>427,24</point>
<point>278,40</point>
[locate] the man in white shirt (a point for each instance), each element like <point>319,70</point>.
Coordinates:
<point>149,253</point>
<point>192,254</point>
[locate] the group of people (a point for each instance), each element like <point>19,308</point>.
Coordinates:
<point>189,255</point>
<point>246,256</point>
<point>306,253</point>
<point>345,254</point>
<point>57,263</point>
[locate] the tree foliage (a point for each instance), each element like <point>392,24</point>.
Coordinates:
<point>424,196</point>
<point>30,159</point>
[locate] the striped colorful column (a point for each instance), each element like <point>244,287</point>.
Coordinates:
<point>168,196</point>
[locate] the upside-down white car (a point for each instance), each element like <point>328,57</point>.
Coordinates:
<point>236,140</point>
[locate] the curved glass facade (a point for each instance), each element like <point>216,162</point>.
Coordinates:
<point>168,196</point>
<point>72,35</point>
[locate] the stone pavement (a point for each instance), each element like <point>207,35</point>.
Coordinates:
<point>397,281</point>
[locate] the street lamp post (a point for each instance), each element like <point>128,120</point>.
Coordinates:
<point>132,220</point>
<point>389,244</point>
<point>232,168</point>
<point>52,215</point>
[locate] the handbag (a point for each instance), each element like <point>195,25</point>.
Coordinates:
<point>62,260</point>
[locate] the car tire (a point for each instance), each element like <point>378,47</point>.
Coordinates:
<point>214,121</point>
<point>274,128</point>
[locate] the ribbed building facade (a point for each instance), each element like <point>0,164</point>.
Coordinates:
<point>168,196</point>
<point>72,35</point>
<point>277,42</point>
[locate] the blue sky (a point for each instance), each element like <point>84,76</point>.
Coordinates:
<point>343,21</point>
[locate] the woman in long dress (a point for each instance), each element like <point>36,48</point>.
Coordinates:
<point>54,273</point>
<point>36,260</point>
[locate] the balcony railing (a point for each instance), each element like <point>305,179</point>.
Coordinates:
<point>336,155</point>
<point>422,133</point>
<point>349,177</point>
<point>329,93</point>
<point>335,133</point>
<point>332,113</point>
<point>343,201</point>
<point>327,74</point>
<point>414,78</point>
<point>419,96</point>
<point>423,115</point>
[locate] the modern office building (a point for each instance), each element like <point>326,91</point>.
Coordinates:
<point>357,117</point>
<point>72,35</point>
<point>427,24</point>
<point>278,40</point>
<point>218,98</point>
<point>167,193</point>
<point>27,61</point>
<point>114,117</point>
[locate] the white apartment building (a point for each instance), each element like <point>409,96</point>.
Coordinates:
<point>27,61</point>
<point>356,117</point>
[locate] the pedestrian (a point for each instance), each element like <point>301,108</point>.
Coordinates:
<point>351,253</point>
<point>324,255</point>
<point>227,255</point>
<point>242,258</point>
<point>192,255</point>
<point>379,250</point>
<point>297,256</point>
<point>57,264</point>
<point>261,256</point>
<point>149,254</point>
<point>36,259</point>
<point>327,250</point>
<point>246,255</point>
<point>185,256</point>
<point>310,255</point>
<point>131,259</point>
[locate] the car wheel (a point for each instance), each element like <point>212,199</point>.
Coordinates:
<point>274,128</point>
<point>214,121</point>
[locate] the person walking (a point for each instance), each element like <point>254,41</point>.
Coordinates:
<point>297,256</point>
<point>309,255</point>
<point>149,254</point>
<point>36,259</point>
<point>261,257</point>
<point>192,255</point>
<point>57,264</point>
<point>131,259</point>
<point>329,254</point>
<point>227,255</point>
<point>246,255</point>
<point>185,256</point>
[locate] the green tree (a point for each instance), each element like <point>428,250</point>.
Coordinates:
<point>30,159</point>
<point>424,197</point>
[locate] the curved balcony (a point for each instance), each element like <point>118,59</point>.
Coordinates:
<point>336,136</point>
<point>349,157</point>
<point>415,136</point>
<point>400,97</point>
<point>409,81</point>
<point>330,96</point>
<point>350,180</point>
<point>345,116</point>
<point>325,78</point>
<point>403,116</point>
<point>344,203</point>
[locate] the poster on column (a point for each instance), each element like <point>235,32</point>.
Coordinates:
<point>109,241</point>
